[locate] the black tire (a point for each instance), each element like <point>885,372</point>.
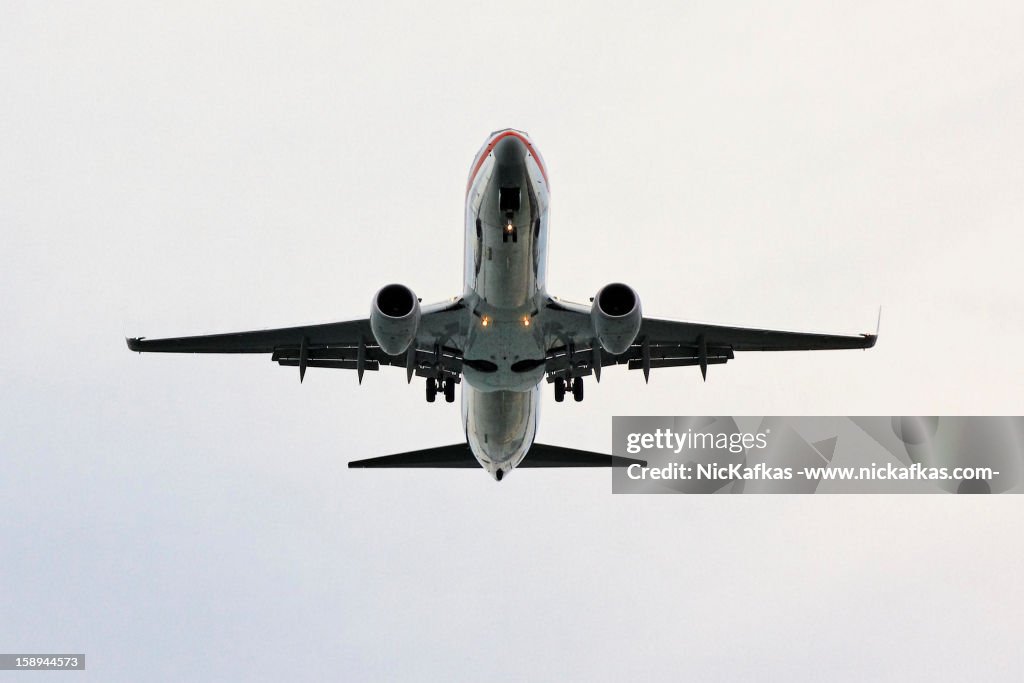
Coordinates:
<point>431,389</point>
<point>577,389</point>
<point>449,391</point>
<point>559,390</point>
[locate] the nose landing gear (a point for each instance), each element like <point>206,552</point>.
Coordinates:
<point>510,232</point>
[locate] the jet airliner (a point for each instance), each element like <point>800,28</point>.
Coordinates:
<point>504,336</point>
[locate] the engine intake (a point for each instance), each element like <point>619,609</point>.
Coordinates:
<point>394,318</point>
<point>616,317</point>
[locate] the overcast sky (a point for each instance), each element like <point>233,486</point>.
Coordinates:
<point>184,169</point>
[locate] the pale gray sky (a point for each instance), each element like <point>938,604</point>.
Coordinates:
<point>182,168</point>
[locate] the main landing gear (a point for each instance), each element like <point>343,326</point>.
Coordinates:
<point>447,386</point>
<point>575,385</point>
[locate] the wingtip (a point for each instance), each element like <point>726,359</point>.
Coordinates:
<point>134,343</point>
<point>870,339</point>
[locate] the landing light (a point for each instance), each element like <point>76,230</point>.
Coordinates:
<point>485,321</point>
<point>526,321</point>
<point>509,228</point>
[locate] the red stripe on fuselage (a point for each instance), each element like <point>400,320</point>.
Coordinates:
<point>490,146</point>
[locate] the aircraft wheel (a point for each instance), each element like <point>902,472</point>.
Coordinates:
<point>559,390</point>
<point>431,389</point>
<point>577,389</point>
<point>449,391</point>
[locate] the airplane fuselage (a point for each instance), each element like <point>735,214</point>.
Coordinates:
<point>504,291</point>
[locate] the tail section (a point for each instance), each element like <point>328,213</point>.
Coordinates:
<point>460,456</point>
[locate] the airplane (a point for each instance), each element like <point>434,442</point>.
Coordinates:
<point>504,336</point>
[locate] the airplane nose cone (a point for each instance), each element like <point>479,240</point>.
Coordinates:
<point>510,152</point>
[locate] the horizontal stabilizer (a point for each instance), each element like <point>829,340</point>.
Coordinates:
<point>456,455</point>
<point>542,455</point>
<point>459,455</point>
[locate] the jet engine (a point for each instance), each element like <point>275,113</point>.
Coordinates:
<point>616,317</point>
<point>394,318</point>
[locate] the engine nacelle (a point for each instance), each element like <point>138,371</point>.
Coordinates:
<point>616,317</point>
<point>394,318</point>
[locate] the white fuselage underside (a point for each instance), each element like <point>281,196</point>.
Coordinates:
<point>504,291</point>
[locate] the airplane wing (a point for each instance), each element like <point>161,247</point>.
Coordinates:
<point>670,343</point>
<point>350,345</point>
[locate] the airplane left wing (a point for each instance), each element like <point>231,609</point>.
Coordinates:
<point>670,343</point>
<point>436,351</point>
